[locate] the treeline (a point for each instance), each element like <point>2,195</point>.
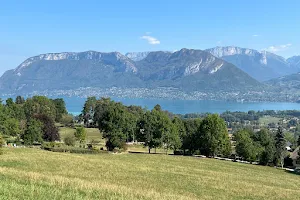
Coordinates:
<point>262,146</point>
<point>251,115</point>
<point>32,120</point>
<point>207,135</point>
<point>156,129</point>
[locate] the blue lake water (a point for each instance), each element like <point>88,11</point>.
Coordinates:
<point>75,104</point>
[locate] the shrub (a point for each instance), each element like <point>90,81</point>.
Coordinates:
<point>70,140</point>
<point>76,150</point>
<point>50,145</point>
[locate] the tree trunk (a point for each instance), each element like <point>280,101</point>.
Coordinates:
<point>149,149</point>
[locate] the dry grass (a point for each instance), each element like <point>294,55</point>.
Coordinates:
<point>37,174</point>
<point>92,134</point>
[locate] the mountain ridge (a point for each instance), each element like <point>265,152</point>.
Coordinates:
<point>187,69</point>
<point>261,65</point>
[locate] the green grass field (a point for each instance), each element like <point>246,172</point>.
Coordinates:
<point>268,119</point>
<point>36,174</point>
<point>94,134</point>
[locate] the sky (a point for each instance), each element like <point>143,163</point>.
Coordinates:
<point>32,27</point>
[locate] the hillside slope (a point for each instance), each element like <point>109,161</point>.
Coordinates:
<point>260,65</point>
<point>28,173</point>
<point>187,69</point>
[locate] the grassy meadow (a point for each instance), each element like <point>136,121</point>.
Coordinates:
<point>27,173</point>
<point>93,134</point>
<point>263,121</point>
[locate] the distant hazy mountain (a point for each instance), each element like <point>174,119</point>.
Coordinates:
<point>260,65</point>
<point>70,70</point>
<point>294,61</point>
<point>188,70</point>
<point>286,82</point>
<point>137,56</point>
<point>191,69</point>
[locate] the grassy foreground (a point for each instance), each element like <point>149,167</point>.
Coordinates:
<point>37,174</point>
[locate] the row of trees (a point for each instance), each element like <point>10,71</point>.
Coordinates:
<point>32,120</point>
<point>264,146</point>
<point>156,128</point>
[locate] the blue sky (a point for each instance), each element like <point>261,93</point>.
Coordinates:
<point>34,27</point>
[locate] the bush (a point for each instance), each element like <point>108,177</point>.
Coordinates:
<point>70,140</point>
<point>50,145</point>
<point>78,150</point>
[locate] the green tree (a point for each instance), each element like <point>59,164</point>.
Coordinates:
<point>116,123</point>
<point>280,144</point>
<point>180,128</point>
<point>213,136</point>
<point>189,139</point>
<point>245,147</point>
<point>10,127</point>
<point>39,105</point>
<point>67,120</point>
<point>33,132</point>
<point>169,132</point>
<point>70,140</point>
<point>80,134</point>
<point>89,109</point>
<point>290,137</point>
<point>265,145</point>
<point>146,131</point>
<point>60,107</point>
<point>50,131</point>
<point>20,100</point>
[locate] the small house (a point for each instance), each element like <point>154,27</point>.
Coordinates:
<point>295,158</point>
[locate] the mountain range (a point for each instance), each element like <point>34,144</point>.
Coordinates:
<point>215,69</point>
<point>262,65</point>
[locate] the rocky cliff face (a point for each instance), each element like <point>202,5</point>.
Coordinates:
<point>137,56</point>
<point>116,58</point>
<point>231,51</point>
<point>187,69</point>
<point>260,65</point>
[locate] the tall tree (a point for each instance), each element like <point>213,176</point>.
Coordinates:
<point>80,134</point>
<point>33,132</point>
<point>189,140</point>
<point>181,131</point>
<point>50,131</point>
<point>169,132</point>
<point>266,145</point>
<point>214,138</point>
<point>61,109</point>
<point>89,109</point>
<point>245,146</point>
<point>280,145</point>
<point>39,105</point>
<point>116,124</point>
<point>10,127</point>
<point>20,100</point>
<point>146,131</point>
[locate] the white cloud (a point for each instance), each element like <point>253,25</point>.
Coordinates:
<point>255,35</point>
<point>150,39</point>
<point>277,48</point>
